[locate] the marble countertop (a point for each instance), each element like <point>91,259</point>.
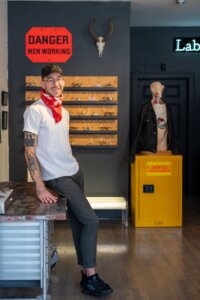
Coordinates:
<point>24,205</point>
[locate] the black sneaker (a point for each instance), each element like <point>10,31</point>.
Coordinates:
<point>95,286</point>
<point>83,280</point>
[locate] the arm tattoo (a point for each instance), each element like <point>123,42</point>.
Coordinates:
<point>32,164</point>
<point>29,139</point>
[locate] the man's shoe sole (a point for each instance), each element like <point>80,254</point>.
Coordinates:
<point>97,294</point>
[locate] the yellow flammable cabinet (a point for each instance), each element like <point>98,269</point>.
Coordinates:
<point>156,190</point>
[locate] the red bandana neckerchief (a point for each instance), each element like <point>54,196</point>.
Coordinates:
<point>54,103</point>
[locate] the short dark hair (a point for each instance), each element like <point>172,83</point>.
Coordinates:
<point>51,68</point>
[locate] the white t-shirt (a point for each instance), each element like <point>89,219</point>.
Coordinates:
<point>53,149</point>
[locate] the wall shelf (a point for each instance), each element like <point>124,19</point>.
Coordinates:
<point>93,117</point>
<point>77,89</point>
<point>80,102</point>
<point>92,132</point>
<point>92,102</point>
<point>92,147</point>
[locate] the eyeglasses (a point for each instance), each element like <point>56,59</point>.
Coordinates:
<point>51,80</point>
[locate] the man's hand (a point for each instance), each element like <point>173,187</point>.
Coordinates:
<point>45,196</point>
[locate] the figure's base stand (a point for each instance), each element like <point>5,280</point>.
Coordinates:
<point>165,152</point>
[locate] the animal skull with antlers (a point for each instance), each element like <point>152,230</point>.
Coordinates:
<point>100,41</point>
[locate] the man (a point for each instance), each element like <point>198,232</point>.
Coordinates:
<point>51,164</point>
<point>154,132</point>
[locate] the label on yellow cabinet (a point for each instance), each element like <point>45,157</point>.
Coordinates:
<point>158,168</point>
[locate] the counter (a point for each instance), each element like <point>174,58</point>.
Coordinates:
<point>25,237</point>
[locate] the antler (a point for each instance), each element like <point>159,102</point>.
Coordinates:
<point>91,29</point>
<point>110,30</point>
<point>100,40</point>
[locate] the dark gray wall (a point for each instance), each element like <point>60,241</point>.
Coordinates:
<point>151,47</point>
<point>106,171</point>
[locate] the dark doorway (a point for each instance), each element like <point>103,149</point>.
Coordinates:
<point>176,94</point>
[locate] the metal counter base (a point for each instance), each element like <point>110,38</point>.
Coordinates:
<point>26,234</point>
<point>24,254</point>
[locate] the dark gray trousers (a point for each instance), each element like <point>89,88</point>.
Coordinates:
<point>83,220</point>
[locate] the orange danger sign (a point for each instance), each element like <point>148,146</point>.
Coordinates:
<point>158,168</point>
<point>48,44</point>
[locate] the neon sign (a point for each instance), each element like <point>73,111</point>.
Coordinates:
<point>187,45</point>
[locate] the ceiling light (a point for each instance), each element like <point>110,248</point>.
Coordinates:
<point>180,1</point>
